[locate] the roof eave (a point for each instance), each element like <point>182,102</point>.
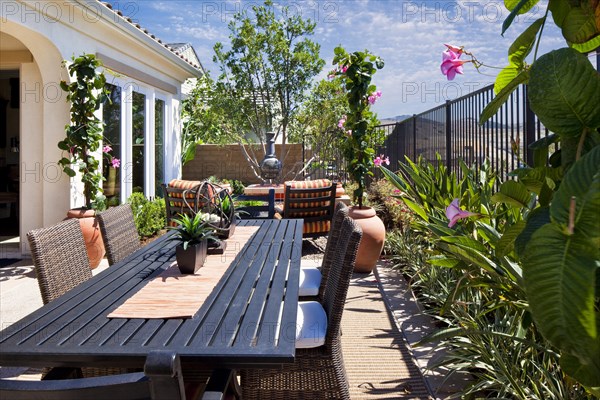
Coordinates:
<point>141,37</point>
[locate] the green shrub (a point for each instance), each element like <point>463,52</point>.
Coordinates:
<point>149,215</point>
<point>470,277</point>
<point>385,198</point>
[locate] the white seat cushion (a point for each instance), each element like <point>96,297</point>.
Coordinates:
<point>312,325</point>
<point>310,280</point>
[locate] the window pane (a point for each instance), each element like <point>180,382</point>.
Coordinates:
<point>111,116</point>
<point>159,135</point>
<point>138,129</point>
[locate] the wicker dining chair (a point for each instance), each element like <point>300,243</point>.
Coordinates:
<point>60,258</point>
<point>61,263</point>
<point>317,372</point>
<point>313,279</point>
<point>161,379</point>
<point>118,232</point>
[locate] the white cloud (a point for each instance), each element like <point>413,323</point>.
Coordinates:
<point>408,35</point>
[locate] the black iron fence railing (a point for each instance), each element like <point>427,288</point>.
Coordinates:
<point>453,131</point>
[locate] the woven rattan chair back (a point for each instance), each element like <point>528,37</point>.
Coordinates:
<point>342,266</point>
<point>319,372</point>
<point>118,232</point>
<point>60,258</point>
<point>333,241</point>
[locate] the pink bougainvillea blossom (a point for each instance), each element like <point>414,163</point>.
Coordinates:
<point>454,213</point>
<point>342,121</point>
<point>106,149</point>
<point>451,65</point>
<point>380,160</point>
<point>343,68</point>
<point>454,49</point>
<point>374,96</point>
<point>115,162</point>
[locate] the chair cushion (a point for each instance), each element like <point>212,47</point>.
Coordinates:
<point>310,280</point>
<point>316,227</point>
<point>311,327</point>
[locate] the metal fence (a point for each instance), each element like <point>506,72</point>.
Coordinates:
<point>453,131</point>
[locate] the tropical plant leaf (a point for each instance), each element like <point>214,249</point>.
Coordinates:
<point>416,208</point>
<point>516,7</point>
<point>586,47</point>
<point>586,370</point>
<point>492,108</point>
<point>559,272</point>
<point>577,20</point>
<point>507,242</point>
<point>443,261</point>
<point>582,183</point>
<point>535,220</point>
<point>564,92</point>
<point>506,76</point>
<point>522,46</point>
<point>513,193</point>
<point>393,178</point>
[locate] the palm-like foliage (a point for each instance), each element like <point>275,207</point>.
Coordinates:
<point>191,231</point>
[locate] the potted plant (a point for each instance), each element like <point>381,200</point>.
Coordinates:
<point>193,234</point>
<point>84,135</point>
<point>355,71</point>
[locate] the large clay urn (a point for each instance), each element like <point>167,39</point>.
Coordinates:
<point>91,234</point>
<point>373,238</point>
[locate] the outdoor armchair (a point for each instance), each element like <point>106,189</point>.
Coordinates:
<point>118,232</point>
<point>161,379</point>
<point>60,258</point>
<point>318,370</point>
<point>313,280</point>
<point>312,201</point>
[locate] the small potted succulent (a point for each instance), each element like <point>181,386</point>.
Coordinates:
<point>193,234</point>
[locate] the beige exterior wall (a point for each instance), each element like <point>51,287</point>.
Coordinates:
<point>228,162</point>
<point>37,37</point>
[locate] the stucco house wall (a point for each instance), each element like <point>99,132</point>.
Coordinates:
<point>35,37</point>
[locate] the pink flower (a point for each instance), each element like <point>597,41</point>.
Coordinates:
<point>374,96</point>
<point>331,74</point>
<point>344,68</point>
<point>454,213</point>
<point>381,159</point>
<point>341,122</point>
<point>349,132</point>
<point>115,162</point>
<point>451,65</point>
<point>106,149</point>
<point>454,49</point>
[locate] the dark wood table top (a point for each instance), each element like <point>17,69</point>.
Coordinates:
<point>248,320</point>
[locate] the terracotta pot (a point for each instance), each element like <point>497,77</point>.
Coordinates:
<point>372,240</point>
<point>91,234</point>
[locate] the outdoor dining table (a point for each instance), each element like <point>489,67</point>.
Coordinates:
<point>248,320</point>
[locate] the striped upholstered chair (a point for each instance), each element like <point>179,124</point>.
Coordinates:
<point>180,198</point>
<point>313,201</point>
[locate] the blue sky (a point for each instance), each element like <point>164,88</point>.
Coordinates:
<point>408,35</point>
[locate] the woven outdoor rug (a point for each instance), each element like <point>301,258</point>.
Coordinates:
<point>378,363</point>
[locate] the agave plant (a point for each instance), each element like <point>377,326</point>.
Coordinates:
<point>191,231</point>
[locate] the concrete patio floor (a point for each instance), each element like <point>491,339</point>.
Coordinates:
<point>381,322</point>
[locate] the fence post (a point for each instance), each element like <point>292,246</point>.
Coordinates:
<point>529,128</point>
<point>448,136</point>
<point>414,155</point>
